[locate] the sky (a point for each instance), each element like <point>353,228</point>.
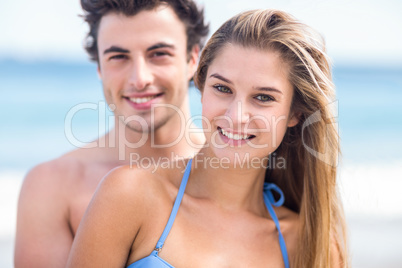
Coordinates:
<point>356,31</point>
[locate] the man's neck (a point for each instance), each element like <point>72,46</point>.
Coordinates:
<point>178,138</point>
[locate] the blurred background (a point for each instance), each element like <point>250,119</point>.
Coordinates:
<point>44,74</point>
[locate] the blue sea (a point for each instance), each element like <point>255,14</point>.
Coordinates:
<point>36,97</point>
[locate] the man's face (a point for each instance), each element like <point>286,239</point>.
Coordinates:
<point>143,60</point>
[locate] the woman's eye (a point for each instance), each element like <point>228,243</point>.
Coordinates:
<point>222,89</point>
<point>264,98</point>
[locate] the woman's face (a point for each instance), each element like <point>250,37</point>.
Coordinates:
<point>246,103</point>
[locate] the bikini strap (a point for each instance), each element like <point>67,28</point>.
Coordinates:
<point>269,201</point>
<point>176,206</point>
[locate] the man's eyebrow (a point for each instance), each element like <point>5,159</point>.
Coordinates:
<point>218,76</point>
<point>161,45</point>
<point>114,49</point>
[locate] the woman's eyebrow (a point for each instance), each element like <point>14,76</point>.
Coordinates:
<point>220,77</point>
<point>270,89</point>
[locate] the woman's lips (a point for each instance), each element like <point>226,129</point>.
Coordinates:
<point>234,139</point>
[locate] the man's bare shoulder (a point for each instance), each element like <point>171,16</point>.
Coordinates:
<point>55,171</point>
<point>66,173</point>
<point>43,212</point>
<point>74,165</point>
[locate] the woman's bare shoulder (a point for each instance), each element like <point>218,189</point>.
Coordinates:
<point>144,198</point>
<point>290,226</point>
<point>285,213</point>
<point>125,199</point>
<point>143,185</point>
<point>134,183</point>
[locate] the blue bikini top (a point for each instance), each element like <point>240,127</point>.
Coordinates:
<point>154,261</point>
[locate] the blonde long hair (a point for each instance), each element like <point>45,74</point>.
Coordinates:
<point>311,148</point>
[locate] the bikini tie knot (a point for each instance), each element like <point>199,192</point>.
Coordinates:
<point>269,188</point>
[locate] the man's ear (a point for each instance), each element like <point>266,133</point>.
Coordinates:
<point>202,95</point>
<point>99,72</point>
<point>193,61</point>
<point>294,119</point>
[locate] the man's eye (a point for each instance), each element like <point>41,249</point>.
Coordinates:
<point>264,98</point>
<point>222,89</point>
<point>118,57</point>
<point>159,54</point>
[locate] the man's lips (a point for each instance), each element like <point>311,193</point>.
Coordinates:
<point>235,136</point>
<point>143,99</point>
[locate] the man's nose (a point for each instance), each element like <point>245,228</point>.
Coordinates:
<point>140,75</point>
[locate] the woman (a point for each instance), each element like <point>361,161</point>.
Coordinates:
<point>266,88</point>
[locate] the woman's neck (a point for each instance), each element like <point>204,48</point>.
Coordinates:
<point>231,187</point>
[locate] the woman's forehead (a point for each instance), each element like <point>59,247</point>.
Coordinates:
<point>255,67</point>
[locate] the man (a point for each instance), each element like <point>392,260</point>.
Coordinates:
<point>147,53</point>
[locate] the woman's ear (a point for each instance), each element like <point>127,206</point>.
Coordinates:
<point>294,119</point>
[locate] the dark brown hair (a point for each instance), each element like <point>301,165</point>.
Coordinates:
<point>186,10</point>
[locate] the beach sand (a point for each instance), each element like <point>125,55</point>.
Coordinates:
<point>370,195</point>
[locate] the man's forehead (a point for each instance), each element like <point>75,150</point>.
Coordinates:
<point>148,28</point>
<point>163,16</point>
